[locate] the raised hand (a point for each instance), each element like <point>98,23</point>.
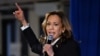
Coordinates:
<point>19,15</point>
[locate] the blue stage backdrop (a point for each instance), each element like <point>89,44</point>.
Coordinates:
<point>85,20</point>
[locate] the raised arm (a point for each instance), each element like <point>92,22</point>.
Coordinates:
<point>20,15</point>
<point>28,33</point>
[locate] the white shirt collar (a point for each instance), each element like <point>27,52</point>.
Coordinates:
<point>55,41</point>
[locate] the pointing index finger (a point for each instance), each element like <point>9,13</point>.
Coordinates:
<point>19,8</point>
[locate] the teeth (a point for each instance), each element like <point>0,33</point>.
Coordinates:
<point>51,33</point>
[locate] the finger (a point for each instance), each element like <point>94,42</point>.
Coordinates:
<point>19,8</point>
<point>16,12</point>
<point>43,51</point>
<point>13,12</point>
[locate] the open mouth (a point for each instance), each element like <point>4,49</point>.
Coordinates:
<point>51,33</point>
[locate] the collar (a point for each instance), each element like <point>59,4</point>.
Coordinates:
<point>55,41</point>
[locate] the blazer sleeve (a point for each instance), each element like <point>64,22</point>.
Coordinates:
<point>33,42</point>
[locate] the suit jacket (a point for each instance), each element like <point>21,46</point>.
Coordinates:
<point>63,47</point>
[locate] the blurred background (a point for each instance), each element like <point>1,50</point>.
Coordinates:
<point>12,43</point>
<point>84,16</point>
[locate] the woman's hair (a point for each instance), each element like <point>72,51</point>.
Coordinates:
<point>64,20</point>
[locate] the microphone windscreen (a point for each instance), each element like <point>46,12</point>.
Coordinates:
<point>49,39</point>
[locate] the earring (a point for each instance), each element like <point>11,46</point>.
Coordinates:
<point>62,31</point>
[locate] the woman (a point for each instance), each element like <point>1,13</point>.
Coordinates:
<point>55,24</point>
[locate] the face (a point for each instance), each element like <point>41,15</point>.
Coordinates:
<point>54,26</point>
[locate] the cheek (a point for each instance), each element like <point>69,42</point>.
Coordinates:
<point>58,29</point>
<point>58,32</point>
<point>46,28</point>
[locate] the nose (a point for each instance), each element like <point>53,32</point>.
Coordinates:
<point>51,27</point>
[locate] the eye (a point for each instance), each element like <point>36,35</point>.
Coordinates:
<point>56,24</point>
<point>48,23</point>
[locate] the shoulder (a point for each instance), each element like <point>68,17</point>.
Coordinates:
<point>72,42</point>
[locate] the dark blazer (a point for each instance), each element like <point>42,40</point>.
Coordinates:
<point>62,48</point>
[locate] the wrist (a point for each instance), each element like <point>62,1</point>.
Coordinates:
<point>24,22</point>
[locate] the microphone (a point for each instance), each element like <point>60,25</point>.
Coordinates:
<point>49,40</point>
